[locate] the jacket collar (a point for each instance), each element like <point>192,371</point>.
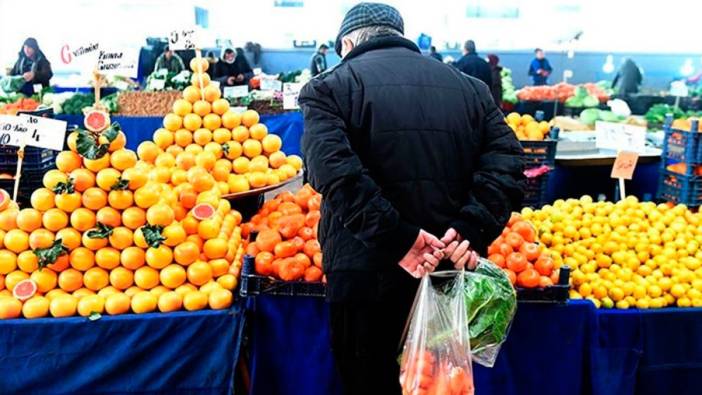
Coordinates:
<point>380,43</point>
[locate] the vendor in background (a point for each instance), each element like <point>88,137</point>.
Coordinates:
<point>318,64</point>
<point>435,55</point>
<point>473,65</point>
<point>233,68</point>
<point>496,87</point>
<point>33,66</point>
<point>540,68</point>
<point>628,79</point>
<point>169,60</point>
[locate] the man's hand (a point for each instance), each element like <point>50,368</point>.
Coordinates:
<point>28,76</point>
<point>458,251</point>
<point>239,77</point>
<point>424,256</point>
<point>230,80</point>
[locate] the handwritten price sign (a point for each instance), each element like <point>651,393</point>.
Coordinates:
<point>624,165</point>
<point>33,131</point>
<point>182,39</point>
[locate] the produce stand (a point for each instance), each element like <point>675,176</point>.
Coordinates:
<point>155,353</point>
<point>287,125</point>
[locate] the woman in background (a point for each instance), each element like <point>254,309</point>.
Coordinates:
<point>33,66</point>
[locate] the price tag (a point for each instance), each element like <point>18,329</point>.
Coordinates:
<point>236,91</point>
<point>124,85</point>
<point>37,88</point>
<point>679,89</point>
<point>619,136</point>
<point>624,165</point>
<point>271,85</point>
<point>291,91</point>
<point>215,84</point>
<point>238,109</point>
<point>34,131</point>
<point>124,62</point>
<point>158,85</point>
<point>182,39</point>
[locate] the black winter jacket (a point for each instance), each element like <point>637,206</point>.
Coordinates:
<point>475,66</point>
<point>396,141</point>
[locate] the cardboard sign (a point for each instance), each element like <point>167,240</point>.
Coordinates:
<point>291,91</point>
<point>33,131</point>
<point>183,39</point>
<point>271,85</point>
<point>124,62</point>
<point>618,136</point>
<point>624,165</point>
<point>236,91</point>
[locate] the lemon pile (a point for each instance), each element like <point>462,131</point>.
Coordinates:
<point>526,127</point>
<point>625,254</point>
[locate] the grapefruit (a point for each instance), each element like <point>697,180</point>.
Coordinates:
<point>4,199</point>
<point>96,121</point>
<point>24,289</point>
<point>203,211</point>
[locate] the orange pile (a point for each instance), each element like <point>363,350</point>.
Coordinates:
<point>286,245</point>
<point>528,264</point>
<point>236,150</point>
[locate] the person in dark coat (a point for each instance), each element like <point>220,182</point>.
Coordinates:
<point>474,65</point>
<point>435,55</point>
<point>496,87</point>
<point>170,61</point>
<point>232,69</point>
<point>628,79</point>
<point>33,66</point>
<point>540,68</point>
<point>318,64</point>
<point>405,150</point>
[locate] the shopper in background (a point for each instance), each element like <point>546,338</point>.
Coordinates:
<point>628,79</point>
<point>405,151</point>
<point>233,68</point>
<point>540,68</point>
<point>318,64</point>
<point>33,66</point>
<point>496,87</point>
<point>435,55</point>
<point>474,65</point>
<point>170,61</point>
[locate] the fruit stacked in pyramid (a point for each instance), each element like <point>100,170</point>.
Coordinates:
<point>116,231</point>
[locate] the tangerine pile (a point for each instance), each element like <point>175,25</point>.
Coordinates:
<point>625,254</point>
<point>527,263</point>
<point>236,150</point>
<point>526,127</point>
<point>286,245</point>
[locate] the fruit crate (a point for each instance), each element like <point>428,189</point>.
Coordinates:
<point>253,284</point>
<point>535,192</point>
<point>682,145</point>
<point>557,293</point>
<point>539,153</point>
<point>37,160</point>
<point>29,182</point>
<point>680,188</point>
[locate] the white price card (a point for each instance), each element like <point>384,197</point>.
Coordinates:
<point>37,88</point>
<point>236,91</point>
<point>238,109</point>
<point>158,85</point>
<point>620,137</point>
<point>183,39</point>
<point>124,62</point>
<point>33,131</point>
<point>271,85</point>
<point>291,91</point>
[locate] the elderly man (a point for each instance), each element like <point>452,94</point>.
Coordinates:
<point>416,166</point>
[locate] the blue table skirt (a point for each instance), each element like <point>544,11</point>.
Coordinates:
<point>552,349</point>
<point>174,353</point>
<point>287,125</point>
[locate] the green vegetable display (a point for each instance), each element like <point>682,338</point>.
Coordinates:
<point>76,104</point>
<point>492,303</point>
<point>111,102</point>
<point>657,113</point>
<point>582,98</point>
<point>509,93</point>
<point>11,84</point>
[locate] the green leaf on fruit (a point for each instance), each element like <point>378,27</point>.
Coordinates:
<point>121,185</point>
<point>102,231</point>
<point>65,187</point>
<point>152,235</point>
<point>49,255</point>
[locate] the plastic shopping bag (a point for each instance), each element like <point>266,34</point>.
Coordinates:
<point>436,358</point>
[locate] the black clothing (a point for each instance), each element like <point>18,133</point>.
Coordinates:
<point>223,70</point>
<point>318,63</point>
<point>396,142</point>
<point>475,66</point>
<point>629,79</point>
<point>39,65</point>
<point>496,87</point>
<point>437,56</point>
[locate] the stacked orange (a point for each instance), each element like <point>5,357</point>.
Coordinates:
<point>527,264</point>
<point>286,245</point>
<point>123,232</point>
<point>236,150</point>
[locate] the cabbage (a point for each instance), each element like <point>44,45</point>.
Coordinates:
<point>589,116</point>
<point>591,101</point>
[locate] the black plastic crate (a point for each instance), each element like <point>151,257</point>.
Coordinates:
<point>29,182</point>
<point>539,153</point>
<point>679,188</point>
<point>682,145</point>
<point>535,192</point>
<point>253,284</point>
<point>557,293</point>
<point>35,159</point>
